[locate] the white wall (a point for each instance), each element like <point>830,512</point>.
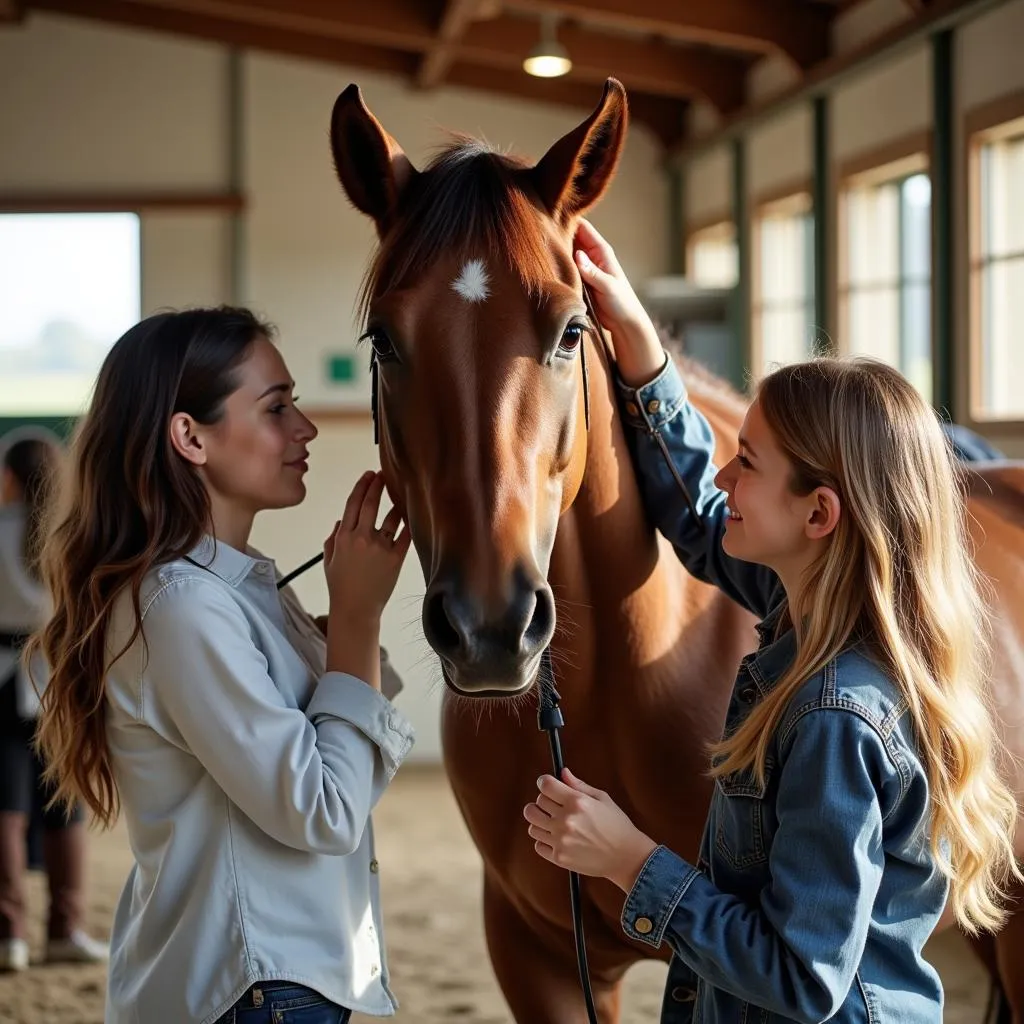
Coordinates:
<point>131,111</point>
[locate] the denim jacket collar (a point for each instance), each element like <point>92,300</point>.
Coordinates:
<point>773,656</point>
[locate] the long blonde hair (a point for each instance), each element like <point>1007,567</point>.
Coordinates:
<point>899,577</point>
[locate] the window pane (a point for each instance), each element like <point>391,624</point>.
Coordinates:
<point>69,287</point>
<point>1003,203</point>
<point>874,320</point>
<point>916,197</point>
<point>872,217</point>
<point>783,257</point>
<point>784,303</point>
<point>1002,297</point>
<point>916,359</point>
<point>786,336</point>
<point>712,257</point>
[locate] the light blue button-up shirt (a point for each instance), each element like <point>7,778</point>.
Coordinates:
<point>247,775</point>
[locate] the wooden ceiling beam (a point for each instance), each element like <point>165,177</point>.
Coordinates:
<point>664,116</point>
<point>456,19</point>
<point>235,33</point>
<point>797,29</point>
<point>654,67</point>
<point>11,12</point>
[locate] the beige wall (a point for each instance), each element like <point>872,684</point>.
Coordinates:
<point>131,111</point>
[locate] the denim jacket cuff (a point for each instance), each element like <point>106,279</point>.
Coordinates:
<point>655,403</point>
<point>661,884</point>
<point>345,697</point>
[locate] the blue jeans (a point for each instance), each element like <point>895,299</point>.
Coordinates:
<point>283,1002</point>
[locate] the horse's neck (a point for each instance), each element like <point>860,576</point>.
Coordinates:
<point>620,590</point>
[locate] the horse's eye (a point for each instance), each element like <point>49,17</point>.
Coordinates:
<point>572,338</point>
<point>382,347</point>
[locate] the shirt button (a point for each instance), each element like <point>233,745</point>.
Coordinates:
<point>262,568</point>
<point>682,994</point>
<point>748,694</point>
<point>374,970</point>
<point>643,925</point>
<point>631,408</point>
<point>653,406</point>
<point>374,867</point>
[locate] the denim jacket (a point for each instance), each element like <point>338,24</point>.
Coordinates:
<point>814,893</point>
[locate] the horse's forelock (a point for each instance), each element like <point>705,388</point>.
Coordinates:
<point>470,202</point>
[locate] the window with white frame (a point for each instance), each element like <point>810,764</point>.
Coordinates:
<point>69,287</point>
<point>782,307</point>
<point>885,280</point>
<point>997,270</point>
<point>712,258</point>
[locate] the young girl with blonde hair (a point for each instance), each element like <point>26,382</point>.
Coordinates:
<point>857,780</point>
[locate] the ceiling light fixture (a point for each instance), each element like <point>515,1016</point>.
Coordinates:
<point>548,59</point>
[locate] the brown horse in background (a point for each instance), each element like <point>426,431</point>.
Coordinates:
<point>530,531</point>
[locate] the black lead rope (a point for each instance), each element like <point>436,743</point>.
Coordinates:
<point>549,714</point>
<point>550,720</point>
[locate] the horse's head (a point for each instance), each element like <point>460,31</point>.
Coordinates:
<point>475,312</point>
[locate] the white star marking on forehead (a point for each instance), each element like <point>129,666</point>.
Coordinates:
<point>473,284</point>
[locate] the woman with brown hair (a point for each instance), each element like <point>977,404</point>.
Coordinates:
<point>193,695</point>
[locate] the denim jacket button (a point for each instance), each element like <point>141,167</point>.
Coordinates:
<point>748,694</point>
<point>682,994</point>
<point>643,925</point>
<point>653,406</point>
<point>631,409</point>
<point>374,867</point>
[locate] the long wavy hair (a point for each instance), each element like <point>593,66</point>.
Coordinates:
<point>129,502</point>
<point>32,457</point>
<point>900,579</point>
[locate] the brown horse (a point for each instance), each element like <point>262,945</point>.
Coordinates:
<point>530,531</point>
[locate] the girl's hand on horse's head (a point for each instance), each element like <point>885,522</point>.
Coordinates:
<point>582,829</point>
<point>638,349</point>
<point>361,562</point>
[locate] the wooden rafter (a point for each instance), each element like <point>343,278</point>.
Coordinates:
<point>11,11</point>
<point>663,116</point>
<point>654,67</point>
<point>438,59</point>
<point>797,29</point>
<point>235,33</point>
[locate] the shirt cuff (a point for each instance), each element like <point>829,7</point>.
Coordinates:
<point>342,696</point>
<point>653,404</point>
<point>657,891</point>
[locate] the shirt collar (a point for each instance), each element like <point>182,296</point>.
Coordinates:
<point>230,564</point>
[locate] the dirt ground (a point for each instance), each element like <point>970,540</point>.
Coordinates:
<point>435,934</point>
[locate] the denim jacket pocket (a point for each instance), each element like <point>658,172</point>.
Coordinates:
<point>740,827</point>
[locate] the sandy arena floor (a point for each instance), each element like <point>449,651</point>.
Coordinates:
<point>438,962</point>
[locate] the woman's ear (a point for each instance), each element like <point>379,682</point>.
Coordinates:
<point>825,513</point>
<point>186,439</point>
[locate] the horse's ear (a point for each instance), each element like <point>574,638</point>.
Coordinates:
<point>576,170</point>
<point>371,166</point>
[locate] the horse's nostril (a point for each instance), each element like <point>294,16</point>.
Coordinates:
<point>542,624</point>
<point>440,632</point>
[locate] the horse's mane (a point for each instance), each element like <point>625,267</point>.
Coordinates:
<point>470,200</point>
